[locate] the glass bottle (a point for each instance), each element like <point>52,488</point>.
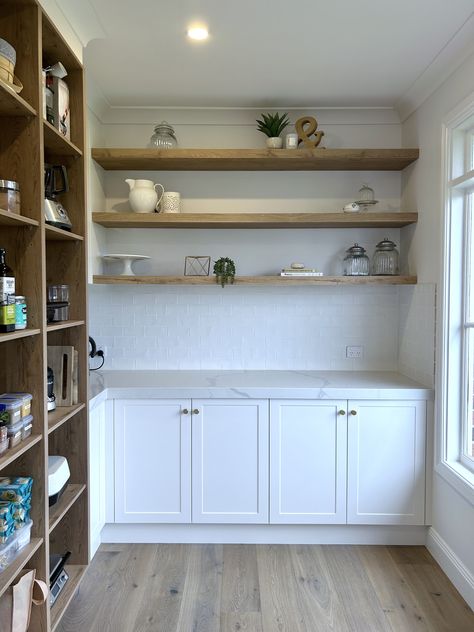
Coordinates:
<point>7,295</point>
<point>356,262</point>
<point>163,137</point>
<point>386,258</point>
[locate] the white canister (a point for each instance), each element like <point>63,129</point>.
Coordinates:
<point>291,141</point>
<point>170,202</point>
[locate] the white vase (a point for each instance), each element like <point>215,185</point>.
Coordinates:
<point>275,142</point>
<point>143,197</point>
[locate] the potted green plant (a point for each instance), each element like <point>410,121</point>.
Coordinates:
<point>272,125</point>
<point>224,269</point>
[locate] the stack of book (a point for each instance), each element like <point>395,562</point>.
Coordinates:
<point>300,272</point>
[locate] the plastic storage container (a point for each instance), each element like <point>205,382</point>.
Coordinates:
<point>4,445</point>
<point>10,410</point>
<point>27,428</point>
<point>15,434</point>
<point>20,538</point>
<point>26,399</point>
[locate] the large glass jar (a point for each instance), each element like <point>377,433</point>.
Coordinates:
<point>385,259</point>
<point>356,262</point>
<point>163,137</point>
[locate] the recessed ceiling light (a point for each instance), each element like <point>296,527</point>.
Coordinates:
<point>197,33</point>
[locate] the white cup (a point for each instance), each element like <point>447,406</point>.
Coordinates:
<point>170,202</point>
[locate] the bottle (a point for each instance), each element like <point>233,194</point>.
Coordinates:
<point>7,296</point>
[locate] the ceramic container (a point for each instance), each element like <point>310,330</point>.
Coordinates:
<point>143,197</point>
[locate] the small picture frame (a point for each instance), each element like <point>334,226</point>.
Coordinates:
<point>197,265</point>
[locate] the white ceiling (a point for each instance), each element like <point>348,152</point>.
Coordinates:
<point>268,53</point>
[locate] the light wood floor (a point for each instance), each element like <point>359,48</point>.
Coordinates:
<point>265,588</point>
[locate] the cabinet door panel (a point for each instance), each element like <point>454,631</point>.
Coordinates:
<point>308,442</point>
<point>386,462</point>
<point>230,461</point>
<point>152,461</point>
<point>97,475</point>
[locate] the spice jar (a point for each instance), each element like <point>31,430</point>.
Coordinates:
<point>20,312</point>
<point>356,262</point>
<point>10,196</point>
<point>385,259</point>
<point>163,137</point>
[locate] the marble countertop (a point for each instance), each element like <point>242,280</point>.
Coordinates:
<point>255,384</point>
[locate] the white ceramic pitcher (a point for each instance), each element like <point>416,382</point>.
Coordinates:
<point>143,197</point>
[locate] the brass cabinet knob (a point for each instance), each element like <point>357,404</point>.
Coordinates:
<point>196,411</point>
<point>185,411</point>
<point>353,412</point>
<point>341,412</point>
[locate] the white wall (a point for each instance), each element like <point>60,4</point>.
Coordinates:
<point>453,516</point>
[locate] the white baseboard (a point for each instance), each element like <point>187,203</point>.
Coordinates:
<point>262,534</point>
<point>454,568</point>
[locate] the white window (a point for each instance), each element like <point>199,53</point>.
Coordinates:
<point>456,448</point>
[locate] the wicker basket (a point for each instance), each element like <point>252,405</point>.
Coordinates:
<point>7,69</point>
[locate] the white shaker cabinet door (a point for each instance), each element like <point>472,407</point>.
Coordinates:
<point>308,444</point>
<point>386,462</point>
<point>152,461</point>
<point>230,461</point>
<point>97,475</point>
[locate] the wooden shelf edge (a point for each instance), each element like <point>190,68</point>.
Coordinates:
<point>10,455</point>
<point>254,220</point>
<point>58,417</point>
<point>12,219</point>
<point>65,324</point>
<point>58,234</point>
<point>56,143</point>
<point>349,159</point>
<point>20,333</point>
<point>255,280</point>
<point>67,500</point>
<point>10,573</point>
<point>12,104</point>
<point>76,575</point>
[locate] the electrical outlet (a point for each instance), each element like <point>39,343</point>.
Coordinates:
<point>356,351</point>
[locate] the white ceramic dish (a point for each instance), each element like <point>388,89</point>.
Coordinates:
<point>127,260</point>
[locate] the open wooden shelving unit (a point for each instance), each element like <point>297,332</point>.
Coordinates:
<point>41,255</point>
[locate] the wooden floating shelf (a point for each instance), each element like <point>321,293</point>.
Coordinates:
<point>11,455</point>
<point>58,234</point>
<point>122,159</point>
<point>254,220</point>
<point>255,280</point>
<point>56,143</point>
<point>65,324</point>
<point>76,574</point>
<point>9,574</point>
<point>67,500</point>
<point>61,414</point>
<point>11,104</point>
<point>12,219</point>
<point>20,333</point>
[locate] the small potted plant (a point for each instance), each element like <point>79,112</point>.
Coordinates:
<point>272,125</point>
<point>224,269</point>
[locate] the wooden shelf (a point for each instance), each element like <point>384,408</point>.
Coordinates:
<point>124,159</point>
<point>67,500</point>
<point>57,144</point>
<point>12,104</point>
<point>60,415</point>
<point>10,573</point>
<point>11,455</point>
<point>58,234</point>
<point>254,220</point>
<point>76,574</point>
<point>255,280</point>
<point>65,324</point>
<point>20,333</point>
<point>12,219</point>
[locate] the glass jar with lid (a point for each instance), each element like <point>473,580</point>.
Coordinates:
<point>366,197</point>
<point>164,137</point>
<point>356,262</point>
<point>386,258</point>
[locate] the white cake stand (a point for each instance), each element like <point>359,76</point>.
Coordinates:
<point>127,260</point>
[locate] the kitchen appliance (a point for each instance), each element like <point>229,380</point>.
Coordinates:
<point>55,183</point>
<point>51,404</point>
<point>57,307</point>
<point>356,262</point>
<point>58,476</point>
<point>58,576</point>
<point>385,259</point>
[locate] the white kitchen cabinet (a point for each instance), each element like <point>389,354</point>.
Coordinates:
<point>97,475</point>
<point>386,462</point>
<point>308,454</point>
<point>152,460</point>
<point>230,461</point>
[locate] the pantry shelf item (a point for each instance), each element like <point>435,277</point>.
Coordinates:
<point>56,183</point>
<point>143,197</point>
<point>21,312</point>
<point>386,258</point>
<point>10,199</point>
<point>127,261</point>
<point>356,262</point>
<point>58,477</point>
<point>164,136</point>
<point>7,295</point>
<point>366,197</point>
